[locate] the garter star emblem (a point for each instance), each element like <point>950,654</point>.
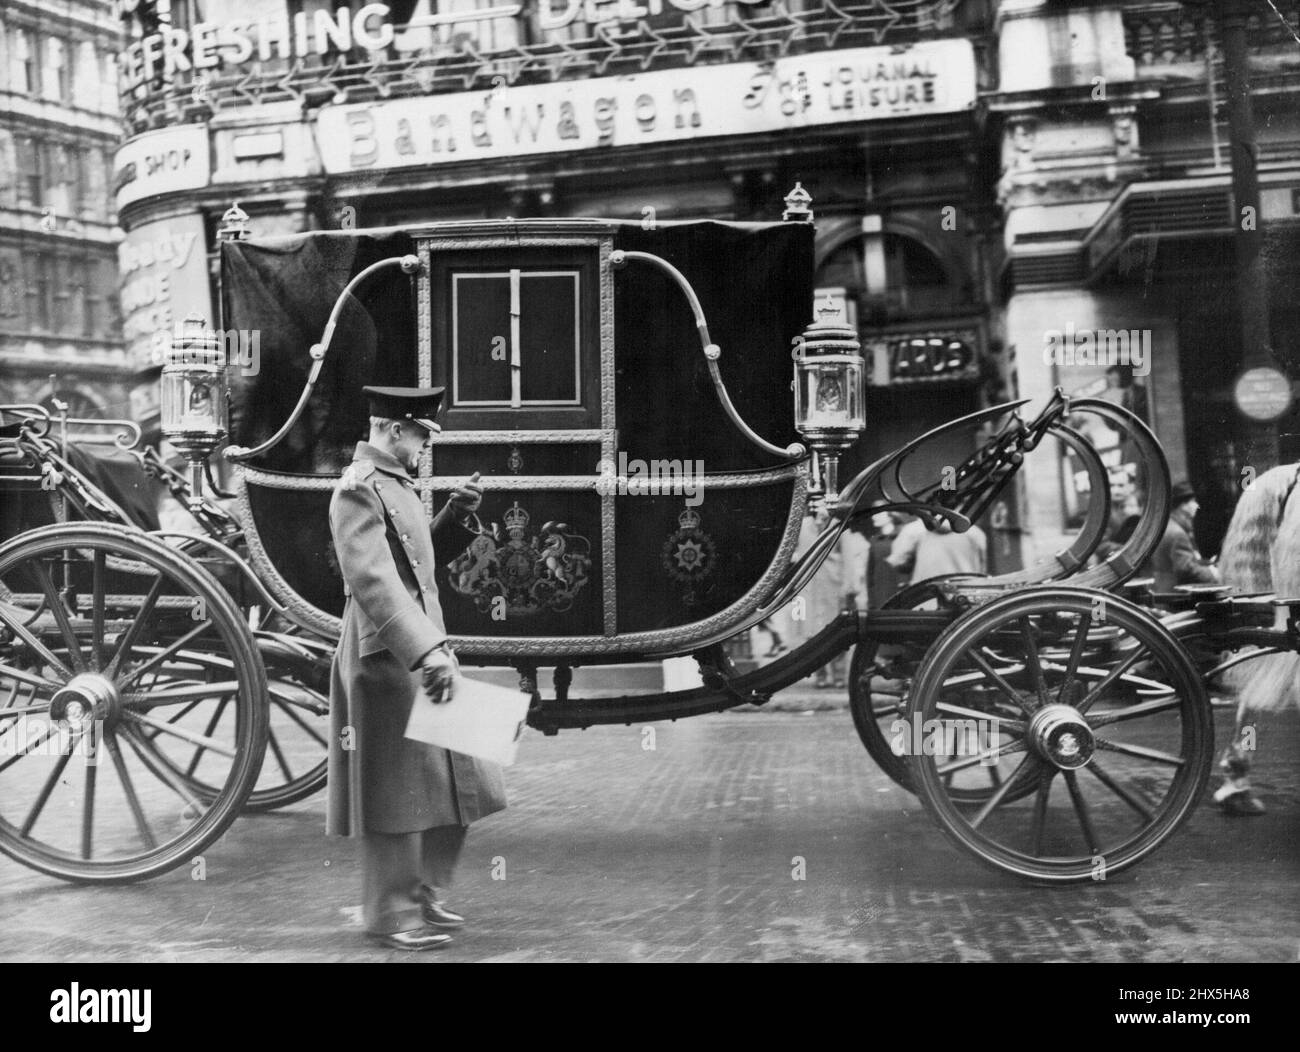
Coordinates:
<point>534,572</point>
<point>689,555</point>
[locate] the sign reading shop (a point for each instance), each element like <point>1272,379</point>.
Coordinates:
<point>832,87</point>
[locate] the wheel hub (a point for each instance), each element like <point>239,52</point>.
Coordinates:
<point>1062,737</point>
<point>84,699</point>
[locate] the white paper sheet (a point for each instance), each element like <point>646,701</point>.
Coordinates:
<point>481,720</point>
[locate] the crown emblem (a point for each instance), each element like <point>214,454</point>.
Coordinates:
<point>516,518</point>
<point>689,519</point>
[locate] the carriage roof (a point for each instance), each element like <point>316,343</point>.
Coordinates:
<point>754,281</point>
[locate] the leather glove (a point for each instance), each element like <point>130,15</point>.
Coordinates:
<point>439,669</point>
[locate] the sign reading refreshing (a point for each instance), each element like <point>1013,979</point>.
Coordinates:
<point>832,87</point>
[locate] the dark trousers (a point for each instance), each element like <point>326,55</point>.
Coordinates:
<point>394,869</point>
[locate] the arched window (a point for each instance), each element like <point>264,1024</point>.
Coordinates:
<point>79,404</point>
<point>892,277</point>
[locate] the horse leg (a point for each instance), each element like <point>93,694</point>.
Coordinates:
<point>1235,795</point>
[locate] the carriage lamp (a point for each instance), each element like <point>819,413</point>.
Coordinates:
<point>194,396</point>
<point>828,393</point>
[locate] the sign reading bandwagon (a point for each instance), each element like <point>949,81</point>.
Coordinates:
<point>832,87</point>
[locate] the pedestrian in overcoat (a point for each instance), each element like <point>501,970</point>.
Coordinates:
<point>409,803</point>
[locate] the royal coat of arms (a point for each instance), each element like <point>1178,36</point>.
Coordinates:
<point>532,571</point>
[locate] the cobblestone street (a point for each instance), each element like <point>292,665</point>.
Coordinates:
<point>687,852</point>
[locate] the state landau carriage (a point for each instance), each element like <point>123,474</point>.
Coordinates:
<point>626,394</point>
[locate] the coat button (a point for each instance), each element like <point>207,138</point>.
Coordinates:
<point>424,587</point>
<point>406,537</point>
<point>415,562</point>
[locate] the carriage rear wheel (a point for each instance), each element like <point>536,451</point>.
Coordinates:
<point>880,689</point>
<point>297,694</point>
<point>296,762</point>
<point>109,693</point>
<point>1102,712</point>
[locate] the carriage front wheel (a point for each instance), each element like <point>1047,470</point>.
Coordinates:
<point>138,676</point>
<point>1103,713</point>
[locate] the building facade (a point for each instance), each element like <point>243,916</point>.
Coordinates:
<point>59,132</point>
<point>984,174</point>
<point>1121,220</point>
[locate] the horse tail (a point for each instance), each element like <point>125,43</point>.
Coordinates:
<point>1261,553</point>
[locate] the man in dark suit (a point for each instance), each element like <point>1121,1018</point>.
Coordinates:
<point>1176,560</point>
<point>409,802</point>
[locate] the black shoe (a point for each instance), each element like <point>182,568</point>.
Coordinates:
<point>437,915</point>
<point>417,939</point>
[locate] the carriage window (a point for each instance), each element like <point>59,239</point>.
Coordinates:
<point>515,338</point>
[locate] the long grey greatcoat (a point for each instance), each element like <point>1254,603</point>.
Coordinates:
<point>386,783</point>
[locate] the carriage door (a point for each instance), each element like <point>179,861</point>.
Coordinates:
<point>519,330</point>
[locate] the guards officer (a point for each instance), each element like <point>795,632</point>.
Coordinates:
<point>409,802</point>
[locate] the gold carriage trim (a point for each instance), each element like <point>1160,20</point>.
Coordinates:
<point>659,641</point>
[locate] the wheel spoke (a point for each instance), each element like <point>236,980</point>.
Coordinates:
<point>1109,679</point>
<point>26,751</point>
<point>311,731</point>
<point>43,797</point>
<point>946,769</point>
<point>283,764</point>
<point>1014,726</point>
<point>1135,712</point>
<point>14,712</point>
<point>1123,792</point>
<point>193,737</point>
<point>151,735</point>
<point>128,787</point>
<point>161,769</point>
<point>60,614</point>
<point>997,679</point>
<point>1142,752</point>
<point>998,794</point>
<point>169,651</point>
<point>1040,811</point>
<point>46,655</point>
<point>1076,655</point>
<point>88,808</point>
<point>317,706</point>
<point>1081,810</point>
<point>170,695</point>
<point>212,726</point>
<point>1031,659</point>
<point>134,629</point>
<point>97,608</point>
<point>29,678</point>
